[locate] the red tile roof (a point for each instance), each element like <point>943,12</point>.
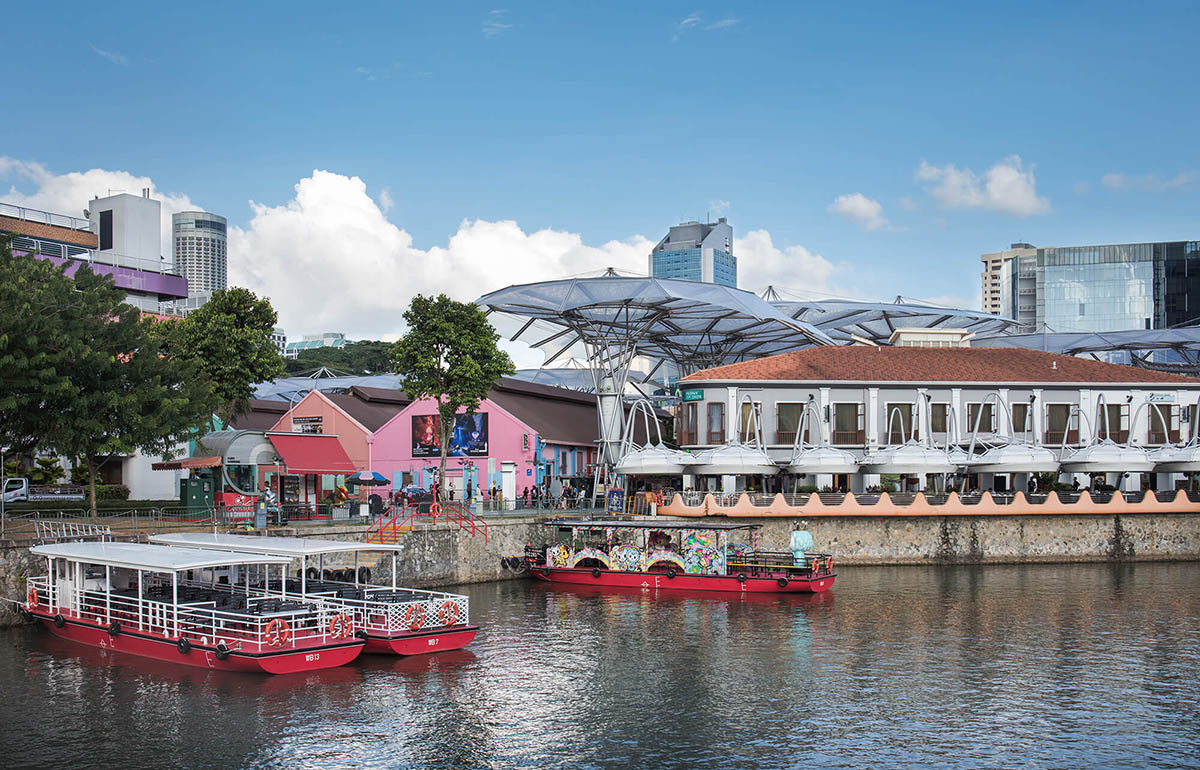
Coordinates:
<point>861,363</point>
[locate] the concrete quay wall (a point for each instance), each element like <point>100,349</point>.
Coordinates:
<point>435,555</point>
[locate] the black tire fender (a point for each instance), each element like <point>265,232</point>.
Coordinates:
<point>671,573</point>
<point>222,651</point>
<point>741,576</point>
<point>184,646</point>
<point>59,621</point>
<point>364,574</point>
<point>114,628</point>
<point>782,582</point>
<point>595,572</point>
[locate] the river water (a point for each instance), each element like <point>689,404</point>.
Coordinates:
<point>1040,666</point>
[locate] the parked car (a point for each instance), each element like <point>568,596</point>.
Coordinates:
<point>18,490</point>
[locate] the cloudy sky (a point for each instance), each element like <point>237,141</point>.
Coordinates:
<point>864,149</point>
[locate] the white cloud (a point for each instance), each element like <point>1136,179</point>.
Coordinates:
<point>112,56</point>
<point>761,263</point>
<point>691,21</point>
<point>1146,182</point>
<point>858,208</point>
<point>1007,187</point>
<point>385,200</point>
<point>908,204</point>
<point>70,193</point>
<point>493,26</point>
<point>1082,188</point>
<point>723,24</point>
<point>330,260</point>
<point>718,207</point>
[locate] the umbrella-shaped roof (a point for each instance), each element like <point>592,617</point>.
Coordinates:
<point>1177,459</point>
<point>655,460</point>
<point>844,319</point>
<point>733,460</point>
<point>1108,457</point>
<point>691,323</point>
<point>822,459</point>
<point>1016,458</point>
<point>910,457</point>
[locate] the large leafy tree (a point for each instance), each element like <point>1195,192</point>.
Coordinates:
<point>229,338</point>
<point>449,354</point>
<point>366,357</point>
<point>97,382</point>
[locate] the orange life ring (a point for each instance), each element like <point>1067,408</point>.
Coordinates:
<point>415,617</point>
<point>449,613</point>
<point>658,499</point>
<point>31,599</point>
<point>278,632</point>
<point>435,509</point>
<point>340,626</point>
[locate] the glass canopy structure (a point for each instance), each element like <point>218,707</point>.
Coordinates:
<point>844,320</point>
<point>610,320</point>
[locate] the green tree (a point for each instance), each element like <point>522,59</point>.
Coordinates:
<point>366,357</point>
<point>449,354</point>
<point>229,338</point>
<point>37,347</point>
<point>93,378</point>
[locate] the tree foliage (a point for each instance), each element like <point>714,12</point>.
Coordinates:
<point>229,339</point>
<point>366,357</point>
<point>91,380</point>
<point>449,354</point>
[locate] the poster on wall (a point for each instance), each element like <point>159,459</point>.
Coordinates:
<point>469,438</point>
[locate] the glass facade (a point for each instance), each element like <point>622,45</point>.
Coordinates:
<point>1118,287</point>
<point>724,268</point>
<point>687,264</point>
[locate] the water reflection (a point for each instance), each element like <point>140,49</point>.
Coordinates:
<point>1039,665</point>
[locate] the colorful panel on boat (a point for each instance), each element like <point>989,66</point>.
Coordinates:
<point>659,557</point>
<point>591,553</point>
<point>704,560</point>
<point>627,558</point>
<point>558,555</point>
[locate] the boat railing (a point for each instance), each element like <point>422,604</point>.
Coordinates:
<point>817,563</point>
<point>261,624</point>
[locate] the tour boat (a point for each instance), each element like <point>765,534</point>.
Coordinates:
<point>178,605</point>
<point>674,555</point>
<point>393,620</point>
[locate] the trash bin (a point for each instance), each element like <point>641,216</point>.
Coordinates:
<point>260,516</point>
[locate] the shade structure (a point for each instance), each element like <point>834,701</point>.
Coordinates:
<point>1016,458</point>
<point>311,453</point>
<point>656,460</point>
<point>1177,459</point>
<point>734,460</point>
<point>1108,457</point>
<point>875,321</point>
<point>194,463</point>
<point>822,459</point>
<point>909,458</point>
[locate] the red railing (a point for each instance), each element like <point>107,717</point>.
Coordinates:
<point>452,511</point>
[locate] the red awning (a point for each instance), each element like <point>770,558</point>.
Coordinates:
<point>187,462</point>
<point>311,453</point>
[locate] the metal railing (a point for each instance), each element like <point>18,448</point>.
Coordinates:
<point>44,217</point>
<point>53,531</point>
<point>387,611</point>
<point>47,248</point>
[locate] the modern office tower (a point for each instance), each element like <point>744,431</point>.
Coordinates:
<point>200,250</point>
<point>279,337</point>
<point>1114,287</point>
<point>697,251</point>
<point>314,341</point>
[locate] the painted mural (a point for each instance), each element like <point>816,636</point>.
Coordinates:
<point>469,438</point>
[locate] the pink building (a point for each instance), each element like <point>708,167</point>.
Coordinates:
<point>522,435</point>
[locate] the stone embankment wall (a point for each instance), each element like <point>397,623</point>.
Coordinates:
<point>442,555</point>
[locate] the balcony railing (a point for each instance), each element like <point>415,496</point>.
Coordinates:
<point>44,217</point>
<point>849,437</point>
<point>1158,437</point>
<point>63,251</point>
<point>1055,437</point>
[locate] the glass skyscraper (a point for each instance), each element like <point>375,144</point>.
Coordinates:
<point>697,251</point>
<point>1115,287</point>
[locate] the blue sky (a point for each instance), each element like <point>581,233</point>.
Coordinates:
<point>951,128</point>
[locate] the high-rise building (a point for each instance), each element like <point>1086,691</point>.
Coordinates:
<point>279,337</point>
<point>1009,274</point>
<point>1114,287</point>
<point>697,251</point>
<point>314,341</point>
<point>199,244</point>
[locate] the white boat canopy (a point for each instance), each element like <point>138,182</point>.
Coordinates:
<point>152,558</point>
<point>291,547</point>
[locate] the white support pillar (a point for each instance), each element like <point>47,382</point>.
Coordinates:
<point>733,414</point>
<point>1036,417</point>
<point>959,419</point>
<point>871,418</point>
<point>1004,414</point>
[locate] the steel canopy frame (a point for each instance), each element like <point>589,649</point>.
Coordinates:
<point>876,321</point>
<point>609,321</point>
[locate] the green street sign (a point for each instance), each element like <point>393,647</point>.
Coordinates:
<point>693,395</point>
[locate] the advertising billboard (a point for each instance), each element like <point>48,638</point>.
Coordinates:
<point>469,438</point>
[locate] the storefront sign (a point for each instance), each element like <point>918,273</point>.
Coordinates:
<point>1161,398</point>
<point>693,395</point>
<point>615,501</point>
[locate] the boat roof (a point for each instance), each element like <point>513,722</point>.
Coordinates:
<point>620,524</point>
<point>292,547</point>
<point>154,558</point>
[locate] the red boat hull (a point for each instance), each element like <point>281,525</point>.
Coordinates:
<point>200,656</point>
<point>683,581</point>
<point>422,642</point>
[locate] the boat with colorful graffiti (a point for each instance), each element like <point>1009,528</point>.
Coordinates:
<point>677,555</point>
<point>393,620</point>
<point>178,605</point>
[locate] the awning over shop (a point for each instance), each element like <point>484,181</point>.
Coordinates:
<point>311,453</point>
<point>187,462</point>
